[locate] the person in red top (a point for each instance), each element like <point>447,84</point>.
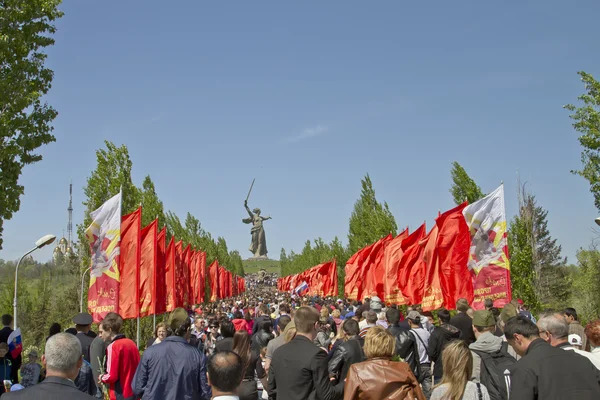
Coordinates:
<point>122,359</point>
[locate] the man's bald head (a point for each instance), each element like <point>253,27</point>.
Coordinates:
<point>225,371</point>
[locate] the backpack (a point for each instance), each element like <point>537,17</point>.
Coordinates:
<point>495,369</point>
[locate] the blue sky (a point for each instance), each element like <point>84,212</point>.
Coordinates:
<point>307,97</point>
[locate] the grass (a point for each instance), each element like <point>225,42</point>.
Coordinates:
<point>253,266</point>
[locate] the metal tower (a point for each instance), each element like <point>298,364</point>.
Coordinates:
<point>70,209</point>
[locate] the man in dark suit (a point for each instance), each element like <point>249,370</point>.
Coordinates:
<point>463,322</point>
<point>298,369</point>
<point>83,323</point>
<point>4,334</point>
<point>62,360</point>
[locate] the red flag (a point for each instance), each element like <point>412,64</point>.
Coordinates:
<point>179,288</point>
<point>353,281</point>
<point>186,261</point>
<point>213,276</point>
<point>222,282</point>
<point>202,291</point>
<point>195,277</point>
<point>148,257</point>
<point>374,270</point>
<point>411,255</point>
<point>392,255</point>
<point>131,228</point>
<point>431,292</point>
<point>324,279</point>
<point>454,241</point>
<point>160,287</point>
<point>170,277</point>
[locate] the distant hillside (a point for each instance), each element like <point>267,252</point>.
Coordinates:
<point>253,266</point>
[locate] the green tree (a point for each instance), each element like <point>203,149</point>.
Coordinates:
<point>151,205</point>
<point>463,186</point>
<point>586,290</point>
<point>587,122</point>
<point>26,27</point>
<point>370,220</point>
<point>539,273</point>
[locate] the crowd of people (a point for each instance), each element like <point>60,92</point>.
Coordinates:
<point>280,346</point>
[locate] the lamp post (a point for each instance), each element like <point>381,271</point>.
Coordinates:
<point>81,297</point>
<point>41,242</point>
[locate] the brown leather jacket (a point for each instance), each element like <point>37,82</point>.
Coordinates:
<point>380,378</point>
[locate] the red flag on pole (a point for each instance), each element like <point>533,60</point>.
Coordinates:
<point>131,228</point>
<point>179,288</point>
<point>170,277</point>
<point>148,257</point>
<point>411,255</point>
<point>160,287</point>
<point>374,270</point>
<point>202,277</point>
<point>186,276</point>
<point>392,255</point>
<point>213,276</point>
<point>454,242</point>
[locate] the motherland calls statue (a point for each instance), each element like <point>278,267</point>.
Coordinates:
<point>258,247</point>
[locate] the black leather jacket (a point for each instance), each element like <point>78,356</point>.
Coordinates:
<point>260,340</point>
<point>345,355</point>
<point>406,348</point>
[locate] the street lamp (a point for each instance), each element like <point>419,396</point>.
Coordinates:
<point>41,242</point>
<point>81,296</point>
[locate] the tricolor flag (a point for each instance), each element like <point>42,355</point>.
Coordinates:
<point>300,289</point>
<point>488,258</point>
<point>104,235</point>
<point>15,346</point>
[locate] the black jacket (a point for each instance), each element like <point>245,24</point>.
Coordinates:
<point>346,354</point>
<point>16,362</point>
<point>299,372</point>
<point>86,342</point>
<point>464,323</point>
<point>406,347</point>
<point>549,373</point>
<point>440,337</point>
<point>52,388</point>
<point>259,322</point>
<point>224,345</point>
<point>260,340</point>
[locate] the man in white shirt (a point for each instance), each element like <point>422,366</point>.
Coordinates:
<point>421,338</point>
<point>225,373</point>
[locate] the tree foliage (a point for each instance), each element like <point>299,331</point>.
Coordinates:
<point>463,186</point>
<point>586,120</point>
<point>370,220</point>
<point>152,206</point>
<point>539,273</point>
<point>26,27</point>
<point>586,285</point>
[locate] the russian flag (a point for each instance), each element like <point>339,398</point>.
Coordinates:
<point>15,346</point>
<point>301,288</point>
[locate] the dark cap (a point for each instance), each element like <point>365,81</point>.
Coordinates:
<point>83,319</point>
<point>483,318</point>
<point>177,318</point>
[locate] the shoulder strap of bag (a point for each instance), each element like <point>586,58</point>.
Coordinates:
<point>479,394</point>
<point>419,337</point>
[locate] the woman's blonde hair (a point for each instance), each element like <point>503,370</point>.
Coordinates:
<point>379,343</point>
<point>289,332</point>
<point>324,312</point>
<point>457,362</point>
<point>336,313</point>
<point>341,335</point>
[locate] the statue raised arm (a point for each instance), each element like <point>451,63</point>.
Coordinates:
<point>258,247</point>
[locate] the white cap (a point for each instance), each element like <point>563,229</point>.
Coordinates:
<point>575,340</point>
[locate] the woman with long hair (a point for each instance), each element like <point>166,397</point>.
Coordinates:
<point>457,363</point>
<point>379,377</point>
<point>248,389</point>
